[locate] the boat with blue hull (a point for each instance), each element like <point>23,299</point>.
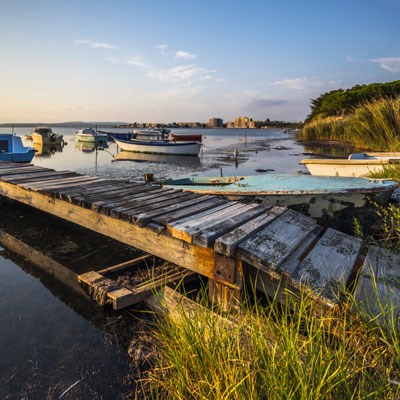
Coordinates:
<point>118,135</point>
<point>13,150</point>
<point>321,197</point>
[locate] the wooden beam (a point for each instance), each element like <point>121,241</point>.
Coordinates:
<point>195,258</point>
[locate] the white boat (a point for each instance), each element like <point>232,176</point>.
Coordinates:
<point>91,136</point>
<point>329,199</point>
<point>44,135</point>
<point>159,147</point>
<point>356,165</point>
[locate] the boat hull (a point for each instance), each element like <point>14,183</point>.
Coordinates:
<point>45,140</point>
<point>91,138</point>
<point>347,168</point>
<point>12,149</point>
<point>160,147</point>
<point>332,201</point>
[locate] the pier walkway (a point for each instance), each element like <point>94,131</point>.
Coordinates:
<point>227,242</point>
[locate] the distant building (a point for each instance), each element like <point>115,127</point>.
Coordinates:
<point>215,123</point>
<point>242,123</point>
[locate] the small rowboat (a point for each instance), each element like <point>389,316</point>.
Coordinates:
<point>356,165</point>
<point>160,147</point>
<point>325,198</point>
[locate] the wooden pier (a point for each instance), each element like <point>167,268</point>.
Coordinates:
<point>227,242</point>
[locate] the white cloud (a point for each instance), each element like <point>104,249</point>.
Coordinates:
<point>95,45</point>
<point>137,62</point>
<point>391,64</point>
<point>303,84</point>
<point>181,73</point>
<point>180,54</point>
<point>162,47</point>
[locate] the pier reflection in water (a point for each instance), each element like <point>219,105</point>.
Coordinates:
<point>52,337</point>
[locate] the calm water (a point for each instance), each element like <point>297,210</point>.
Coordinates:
<point>48,340</point>
<point>258,149</point>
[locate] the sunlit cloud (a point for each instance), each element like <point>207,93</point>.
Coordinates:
<point>185,55</point>
<point>303,84</point>
<point>137,62</point>
<point>391,64</point>
<point>181,73</point>
<point>95,45</point>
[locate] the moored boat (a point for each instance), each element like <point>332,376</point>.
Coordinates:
<point>44,135</point>
<point>118,135</point>
<point>356,166</point>
<point>13,150</point>
<point>91,136</point>
<point>323,198</point>
<point>182,160</point>
<point>160,147</point>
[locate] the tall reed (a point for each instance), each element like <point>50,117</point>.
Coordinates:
<point>271,352</point>
<point>376,124</point>
<point>330,128</point>
<point>372,125</point>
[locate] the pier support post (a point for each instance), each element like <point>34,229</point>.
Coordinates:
<point>225,290</point>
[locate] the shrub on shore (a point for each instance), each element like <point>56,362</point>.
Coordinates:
<point>372,125</point>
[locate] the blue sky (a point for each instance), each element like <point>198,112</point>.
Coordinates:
<point>175,60</point>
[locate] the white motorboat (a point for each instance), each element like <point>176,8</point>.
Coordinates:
<point>91,136</point>
<point>159,147</point>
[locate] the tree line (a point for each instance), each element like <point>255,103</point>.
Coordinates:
<point>340,102</point>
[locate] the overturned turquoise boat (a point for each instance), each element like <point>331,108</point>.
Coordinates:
<point>324,198</point>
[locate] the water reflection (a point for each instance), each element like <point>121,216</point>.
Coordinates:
<point>184,161</point>
<point>89,147</point>
<point>47,150</point>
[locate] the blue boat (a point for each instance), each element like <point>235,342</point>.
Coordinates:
<point>320,197</point>
<point>13,150</point>
<point>118,135</point>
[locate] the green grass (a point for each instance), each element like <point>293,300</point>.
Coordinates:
<point>373,125</point>
<point>276,351</point>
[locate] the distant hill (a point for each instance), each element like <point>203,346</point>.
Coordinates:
<point>69,124</point>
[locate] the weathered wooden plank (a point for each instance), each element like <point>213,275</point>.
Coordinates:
<point>228,243</point>
<point>144,199</point>
<point>327,268</point>
<point>165,201</point>
<point>114,200</point>
<point>75,193</point>
<point>199,205</point>
<point>34,174</point>
<point>46,185</point>
<point>378,288</point>
<point>291,263</point>
<point>171,226</point>
<point>124,265</point>
<point>144,218</point>
<point>22,170</point>
<point>206,236</point>
<point>112,191</point>
<point>9,165</point>
<point>187,231</point>
<point>39,177</point>
<point>270,247</point>
<point>195,258</point>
